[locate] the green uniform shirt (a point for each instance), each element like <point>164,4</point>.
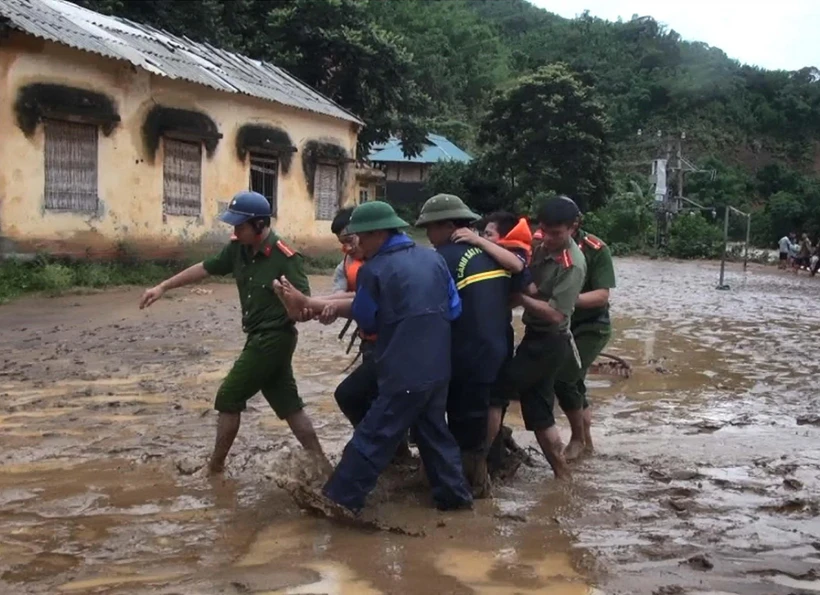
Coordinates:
<point>559,278</point>
<point>600,275</point>
<point>261,308</point>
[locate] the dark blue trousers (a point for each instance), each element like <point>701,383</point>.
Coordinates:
<point>378,435</point>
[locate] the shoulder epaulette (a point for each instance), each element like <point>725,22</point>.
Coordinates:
<point>565,259</point>
<point>593,242</point>
<point>285,249</point>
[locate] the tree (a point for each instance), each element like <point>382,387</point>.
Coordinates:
<point>786,213</point>
<point>548,134</point>
<point>336,47</point>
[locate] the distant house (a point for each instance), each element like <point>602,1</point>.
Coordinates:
<point>405,176</point>
<point>117,132</point>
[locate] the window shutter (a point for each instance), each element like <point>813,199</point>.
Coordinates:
<point>326,191</point>
<point>182,178</point>
<point>70,166</point>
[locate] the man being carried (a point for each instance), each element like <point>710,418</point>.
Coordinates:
<point>479,342</point>
<point>591,329</point>
<point>508,240</point>
<point>256,258</point>
<point>406,297</point>
<point>558,270</point>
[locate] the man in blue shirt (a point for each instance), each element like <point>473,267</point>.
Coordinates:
<point>406,297</point>
<point>479,334</point>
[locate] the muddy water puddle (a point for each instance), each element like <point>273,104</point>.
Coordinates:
<point>703,481</point>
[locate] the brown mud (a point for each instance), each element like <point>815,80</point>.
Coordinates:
<point>706,476</point>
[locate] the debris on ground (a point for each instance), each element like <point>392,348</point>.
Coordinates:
<point>700,562</point>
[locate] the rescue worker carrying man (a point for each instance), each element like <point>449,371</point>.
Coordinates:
<point>256,257</point>
<point>591,329</point>
<point>356,393</point>
<point>479,336</point>
<point>558,270</point>
<point>405,296</point>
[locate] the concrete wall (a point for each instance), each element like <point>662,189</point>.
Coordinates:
<point>130,184</point>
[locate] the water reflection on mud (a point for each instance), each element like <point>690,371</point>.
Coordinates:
<point>706,477</point>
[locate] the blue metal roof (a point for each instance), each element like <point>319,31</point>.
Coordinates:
<point>437,149</point>
<point>164,54</point>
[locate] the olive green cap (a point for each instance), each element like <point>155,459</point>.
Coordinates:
<point>445,207</point>
<point>374,216</point>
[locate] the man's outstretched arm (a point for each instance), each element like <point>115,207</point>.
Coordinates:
<point>193,274</point>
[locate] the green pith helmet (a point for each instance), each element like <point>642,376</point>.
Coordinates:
<point>445,207</point>
<point>374,216</point>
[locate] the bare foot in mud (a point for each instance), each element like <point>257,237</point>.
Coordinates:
<point>574,449</point>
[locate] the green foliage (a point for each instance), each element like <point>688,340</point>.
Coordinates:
<point>786,212</point>
<point>548,133</point>
<point>692,236</point>
<point>337,47</point>
<point>54,277</point>
<point>409,66</point>
<point>626,222</point>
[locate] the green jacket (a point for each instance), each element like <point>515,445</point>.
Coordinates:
<point>262,310</point>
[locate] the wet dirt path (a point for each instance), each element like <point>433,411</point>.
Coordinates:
<point>710,452</point>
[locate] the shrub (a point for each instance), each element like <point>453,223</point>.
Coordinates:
<point>692,236</point>
<point>52,278</point>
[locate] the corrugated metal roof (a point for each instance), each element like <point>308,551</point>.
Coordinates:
<point>437,149</point>
<point>164,54</point>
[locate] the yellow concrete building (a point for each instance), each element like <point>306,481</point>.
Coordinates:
<point>114,133</point>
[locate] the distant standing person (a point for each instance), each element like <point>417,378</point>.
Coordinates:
<point>256,257</point>
<point>804,254</point>
<point>785,246</point>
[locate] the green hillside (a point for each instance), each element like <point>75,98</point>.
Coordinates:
<point>407,66</point>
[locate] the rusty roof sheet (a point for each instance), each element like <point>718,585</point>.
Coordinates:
<point>164,54</point>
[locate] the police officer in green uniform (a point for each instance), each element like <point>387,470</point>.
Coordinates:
<point>256,257</point>
<point>591,330</point>
<point>558,270</point>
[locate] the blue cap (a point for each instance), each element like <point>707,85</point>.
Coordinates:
<point>244,206</point>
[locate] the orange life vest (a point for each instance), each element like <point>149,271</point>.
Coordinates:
<point>519,237</point>
<point>352,267</point>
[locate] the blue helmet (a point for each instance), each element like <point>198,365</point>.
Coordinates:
<point>244,206</point>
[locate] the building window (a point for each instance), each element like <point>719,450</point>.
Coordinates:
<point>182,178</point>
<point>70,166</point>
<point>326,191</point>
<point>381,192</point>
<point>264,174</point>
<point>364,195</point>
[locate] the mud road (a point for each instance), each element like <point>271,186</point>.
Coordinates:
<point>706,477</point>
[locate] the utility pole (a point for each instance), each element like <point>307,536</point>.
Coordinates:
<point>721,284</point>
<point>680,172</point>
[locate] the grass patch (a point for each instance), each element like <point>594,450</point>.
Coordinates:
<point>55,277</point>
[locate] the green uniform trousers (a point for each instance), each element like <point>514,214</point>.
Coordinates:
<point>531,376</point>
<point>570,384</point>
<point>264,365</point>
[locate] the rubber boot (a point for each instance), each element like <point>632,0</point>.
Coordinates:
<point>475,471</point>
